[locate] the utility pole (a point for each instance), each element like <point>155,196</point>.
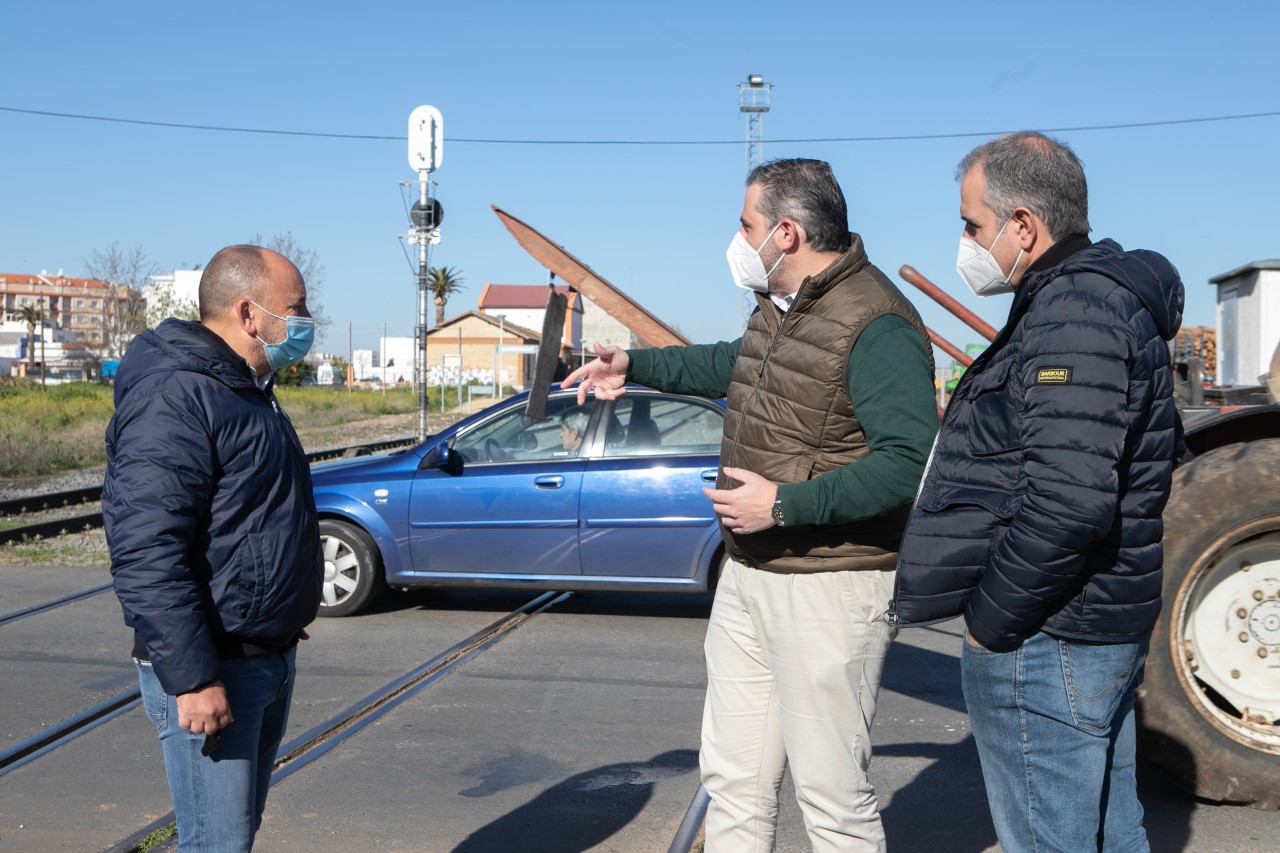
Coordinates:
<point>753,102</point>
<point>43,334</point>
<point>426,152</point>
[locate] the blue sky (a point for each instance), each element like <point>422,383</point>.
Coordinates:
<point>655,220</point>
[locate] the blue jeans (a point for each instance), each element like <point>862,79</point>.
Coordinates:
<point>1054,725</point>
<point>218,800</point>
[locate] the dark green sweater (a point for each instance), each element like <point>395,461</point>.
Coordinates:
<point>891,387</point>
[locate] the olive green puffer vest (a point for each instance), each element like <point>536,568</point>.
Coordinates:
<point>790,418</point>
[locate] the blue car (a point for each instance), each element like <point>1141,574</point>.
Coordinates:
<point>606,496</point>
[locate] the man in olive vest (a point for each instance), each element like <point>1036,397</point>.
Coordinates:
<point>830,420</point>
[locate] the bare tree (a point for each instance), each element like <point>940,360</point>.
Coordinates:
<point>308,263</point>
<point>163,302</point>
<point>124,309</point>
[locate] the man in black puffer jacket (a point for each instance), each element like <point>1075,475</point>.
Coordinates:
<point>215,546</point>
<point>1039,517</point>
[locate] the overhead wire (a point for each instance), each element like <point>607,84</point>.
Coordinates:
<point>488,141</point>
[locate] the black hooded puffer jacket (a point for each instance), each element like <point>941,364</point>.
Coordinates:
<point>1041,508</point>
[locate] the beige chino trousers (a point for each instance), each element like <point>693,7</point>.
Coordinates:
<point>793,669</point>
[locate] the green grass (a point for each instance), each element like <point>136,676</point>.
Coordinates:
<point>155,839</point>
<point>61,428</point>
<point>315,406</point>
<point>56,429</point>
<point>75,549</point>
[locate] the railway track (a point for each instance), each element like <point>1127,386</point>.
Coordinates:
<point>301,751</point>
<point>319,740</point>
<point>46,606</point>
<point>92,519</point>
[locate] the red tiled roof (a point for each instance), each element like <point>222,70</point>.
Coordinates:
<point>521,296</point>
<point>21,278</point>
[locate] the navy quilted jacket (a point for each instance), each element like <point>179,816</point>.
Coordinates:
<point>208,507</point>
<point>1041,508</point>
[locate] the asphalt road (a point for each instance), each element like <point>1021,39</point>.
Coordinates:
<point>578,731</point>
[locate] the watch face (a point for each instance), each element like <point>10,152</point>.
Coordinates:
<point>777,514</point>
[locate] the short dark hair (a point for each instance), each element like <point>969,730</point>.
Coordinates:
<point>806,191</point>
<point>233,272</point>
<point>1031,170</point>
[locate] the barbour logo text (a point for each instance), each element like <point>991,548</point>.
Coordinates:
<point>1053,376</point>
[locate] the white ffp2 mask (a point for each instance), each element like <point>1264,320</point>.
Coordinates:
<point>979,269</point>
<point>745,265</point>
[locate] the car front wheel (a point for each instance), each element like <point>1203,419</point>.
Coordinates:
<point>353,574</point>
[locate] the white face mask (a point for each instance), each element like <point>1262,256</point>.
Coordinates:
<point>979,269</point>
<point>745,265</point>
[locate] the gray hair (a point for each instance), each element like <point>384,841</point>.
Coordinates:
<point>1031,170</point>
<point>806,191</point>
<point>233,272</point>
<point>575,418</point>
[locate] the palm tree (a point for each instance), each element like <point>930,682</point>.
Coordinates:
<point>443,282</point>
<point>32,316</point>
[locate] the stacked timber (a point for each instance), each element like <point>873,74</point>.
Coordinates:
<point>1197,342</point>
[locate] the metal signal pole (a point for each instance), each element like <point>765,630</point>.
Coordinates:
<point>426,151</point>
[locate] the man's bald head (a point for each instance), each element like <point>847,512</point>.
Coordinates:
<point>234,272</point>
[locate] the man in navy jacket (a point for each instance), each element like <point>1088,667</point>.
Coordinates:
<point>215,546</point>
<point>1039,517</point>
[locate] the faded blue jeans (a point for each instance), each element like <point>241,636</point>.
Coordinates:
<point>1054,725</point>
<point>218,800</point>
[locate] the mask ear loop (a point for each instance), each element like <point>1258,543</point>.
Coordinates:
<point>767,238</point>
<point>1018,260</point>
<point>1008,279</point>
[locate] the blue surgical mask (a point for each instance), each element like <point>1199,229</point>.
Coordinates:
<point>300,334</point>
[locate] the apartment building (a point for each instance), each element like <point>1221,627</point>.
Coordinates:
<point>81,307</point>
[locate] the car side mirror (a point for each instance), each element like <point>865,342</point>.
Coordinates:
<point>445,459</point>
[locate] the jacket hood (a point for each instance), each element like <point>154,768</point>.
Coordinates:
<point>180,345</point>
<point>1149,275</point>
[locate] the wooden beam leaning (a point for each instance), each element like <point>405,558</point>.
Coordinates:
<point>649,329</point>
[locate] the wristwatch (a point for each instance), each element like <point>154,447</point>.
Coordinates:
<point>776,512</point>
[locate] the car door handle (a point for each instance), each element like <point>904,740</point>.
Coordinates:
<point>710,474</point>
<point>549,481</point>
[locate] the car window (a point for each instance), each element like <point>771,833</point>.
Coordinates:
<point>649,425</point>
<point>513,437</point>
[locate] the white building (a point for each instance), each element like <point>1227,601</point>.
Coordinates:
<point>185,284</point>
<point>525,305</point>
<point>362,364</point>
<point>1248,322</point>
<point>395,360</point>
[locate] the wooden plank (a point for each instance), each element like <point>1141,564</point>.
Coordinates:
<point>647,327</point>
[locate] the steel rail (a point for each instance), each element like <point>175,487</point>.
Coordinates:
<point>361,449</point>
<point>91,494</point>
<point>320,739</point>
<point>687,833</point>
<point>46,529</point>
<point>15,615</point>
<point>92,521</point>
<point>52,500</point>
<point>23,753</point>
